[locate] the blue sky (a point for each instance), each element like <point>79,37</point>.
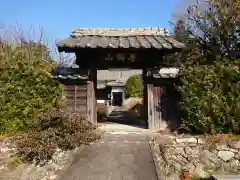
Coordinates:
<point>58,17</point>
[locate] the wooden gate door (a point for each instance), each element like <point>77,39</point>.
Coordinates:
<point>76,96</point>
<point>155,120</point>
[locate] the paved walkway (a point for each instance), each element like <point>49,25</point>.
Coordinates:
<point>122,154</point>
<point>115,157</point>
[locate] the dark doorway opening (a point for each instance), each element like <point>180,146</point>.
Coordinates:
<point>117,99</point>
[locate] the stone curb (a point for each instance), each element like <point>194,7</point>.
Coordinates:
<point>225,177</point>
<point>59,173</point>
<point>155,161</point>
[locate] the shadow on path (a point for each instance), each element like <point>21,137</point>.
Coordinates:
<point>126,118</point>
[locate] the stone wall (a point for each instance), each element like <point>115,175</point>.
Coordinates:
<point>175,154</point>
<point>60,162</point>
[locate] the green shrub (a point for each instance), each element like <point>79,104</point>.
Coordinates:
<point>211,98</point>
<point>134,86</point>
<point>26,85</point>
<point>57,128</point>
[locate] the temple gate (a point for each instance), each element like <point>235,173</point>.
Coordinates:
<point>134,48</point>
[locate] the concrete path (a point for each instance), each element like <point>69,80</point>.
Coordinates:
<point>115,157</point>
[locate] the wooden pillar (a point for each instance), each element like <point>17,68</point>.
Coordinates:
<point>89,92</point>
<point>150,108</point>
<point>93,103</point>
<point>91,96</point>
<point>145,97</point>
<point>94,79</point>
<point>123,96</point>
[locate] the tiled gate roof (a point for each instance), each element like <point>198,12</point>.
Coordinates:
<point>156,38</point>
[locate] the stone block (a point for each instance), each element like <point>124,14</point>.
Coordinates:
<point>201,141</point>
<point>192,150</point>
<point>186,140</point>
<point>226,155</point>
<point>235,145</point>
<point>209,159</point>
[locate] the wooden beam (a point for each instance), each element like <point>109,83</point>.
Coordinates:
<point>119,58</point>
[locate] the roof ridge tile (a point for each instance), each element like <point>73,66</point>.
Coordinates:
<point>119,31</point>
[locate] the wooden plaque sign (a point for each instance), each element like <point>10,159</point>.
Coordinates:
<point>121,57</point>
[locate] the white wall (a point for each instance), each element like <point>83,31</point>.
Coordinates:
<point>117,89</point>
<point>101,101</point>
